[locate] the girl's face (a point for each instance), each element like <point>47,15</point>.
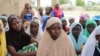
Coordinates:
<point>34,27</point>
<point>82,22</point>
<point>48,10</point>
<point>76,30</point>
<point>98,38</point>
<point>64,23</point>
<point>41,10</point>
<point>16,24</point>
<point>90,27</point>
<point>71,21</point>
<point>54,30</point>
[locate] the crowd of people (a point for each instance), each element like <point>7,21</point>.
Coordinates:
<point>48,34</point>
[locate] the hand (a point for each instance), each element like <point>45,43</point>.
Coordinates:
<point>33,53</point>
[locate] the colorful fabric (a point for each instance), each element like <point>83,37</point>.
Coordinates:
<point>44,20</point>
<point>57,13</point>
<point>87,23</point>
<point>84,16</point>
<point>3,49</point>
<point>28,16</point>
<point>28,48</point>
<point>66,29</point>
<point>81,39</point>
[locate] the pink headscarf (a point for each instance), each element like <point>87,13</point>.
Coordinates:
<point>84,16</point>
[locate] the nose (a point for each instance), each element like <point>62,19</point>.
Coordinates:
<point>17,25</point>
<point>57,31</point>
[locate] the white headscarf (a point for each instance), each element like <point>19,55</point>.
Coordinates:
<point>89,47</point>
<point>39,30</point>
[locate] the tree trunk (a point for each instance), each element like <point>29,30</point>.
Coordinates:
<point>38,3</point>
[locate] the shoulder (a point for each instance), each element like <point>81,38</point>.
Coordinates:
<point>26,36</point>
<point>7,33</point>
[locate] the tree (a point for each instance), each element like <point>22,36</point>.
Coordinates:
<point>80,3</point>
<point>63,1</point>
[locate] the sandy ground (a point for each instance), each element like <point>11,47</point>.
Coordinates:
<point>76,14</point>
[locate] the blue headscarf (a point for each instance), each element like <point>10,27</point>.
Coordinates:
<point>96,17</point>
<point>81,39</point>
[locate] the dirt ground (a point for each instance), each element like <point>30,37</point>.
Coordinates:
<point>76,14</point>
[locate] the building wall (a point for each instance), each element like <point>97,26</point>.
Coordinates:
<point>12,6</point>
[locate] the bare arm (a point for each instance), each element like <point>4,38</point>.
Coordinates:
<point>22,15</point>
<point>14,53</point>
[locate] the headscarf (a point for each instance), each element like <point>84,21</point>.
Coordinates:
<point>96,17</point>
<point>3,49</point>
<point>3,18</point>
<point>81,38</point>
<point>39,30</point>
<point>17,39</point>
<point>89,47</point>
<point>63,19</point>
<point>66,29</point>
<point>59,47</point>
<point>84,16</point>
<point>87,23</point>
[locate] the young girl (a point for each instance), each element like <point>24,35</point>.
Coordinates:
<point>17,39</point>
<point>54,41</point>
<point>3,50</point>
<point>77,37</point>
<point>90,26</point>
<point>92,47</point>
<point>35,29</point>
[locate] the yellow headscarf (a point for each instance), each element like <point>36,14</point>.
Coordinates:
<point>3,50</point>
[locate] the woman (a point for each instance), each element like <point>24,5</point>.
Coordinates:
<point>57,12</point>
<point>40,12</point>
<point>35,29</point>
<point>92,47</point>
<point>90,26</point>
<point>77,37</point>
<point>3,49</point>
<point>83,19</point>
<point>27,13</point>
<point>64,25</point>
<point>4,20</point>
<point>71,20</point>
<point>54,41</point>
<point>16,38</point>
